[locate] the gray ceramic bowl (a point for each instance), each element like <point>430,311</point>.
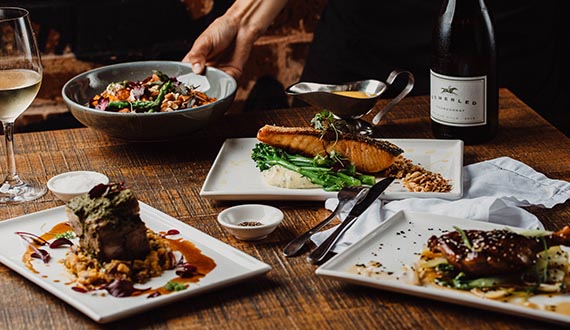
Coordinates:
<point>147,126</point>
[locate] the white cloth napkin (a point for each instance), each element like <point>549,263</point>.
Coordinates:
<point>494,190</point>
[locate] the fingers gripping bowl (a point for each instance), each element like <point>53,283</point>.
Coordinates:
<point>148,126</point>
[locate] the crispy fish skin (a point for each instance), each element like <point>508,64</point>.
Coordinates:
<point>368,155</point>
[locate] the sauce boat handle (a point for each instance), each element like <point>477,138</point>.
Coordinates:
<point>398,98</point>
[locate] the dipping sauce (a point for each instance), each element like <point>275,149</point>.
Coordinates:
<point>355,94</point>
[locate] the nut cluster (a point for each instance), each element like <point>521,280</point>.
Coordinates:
<point>416,178</point>
<point>174,101</point>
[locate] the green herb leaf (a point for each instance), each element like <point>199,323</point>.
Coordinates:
<point>464,237</point>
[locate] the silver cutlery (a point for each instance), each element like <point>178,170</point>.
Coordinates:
<point>347,196</point>
<point>319,254</point>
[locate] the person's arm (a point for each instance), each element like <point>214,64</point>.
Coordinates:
<point>227,42</point>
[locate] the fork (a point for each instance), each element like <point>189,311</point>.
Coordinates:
<point>345,196</point>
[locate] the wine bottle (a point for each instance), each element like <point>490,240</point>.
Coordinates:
<point>463,84</point>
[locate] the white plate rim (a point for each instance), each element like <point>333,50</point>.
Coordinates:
<point>261,191</point>
<point>330,270</point>
<point>153,218</point>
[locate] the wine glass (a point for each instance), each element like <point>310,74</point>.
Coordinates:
<point>20,80</point>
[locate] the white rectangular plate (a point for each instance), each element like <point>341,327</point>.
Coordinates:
<point>234,176</point>
<point>232,265</point>
<point>397,243</point>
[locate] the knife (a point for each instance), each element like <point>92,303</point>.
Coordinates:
<point>321,251</point>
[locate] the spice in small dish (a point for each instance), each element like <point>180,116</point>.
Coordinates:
<point>250,223</point>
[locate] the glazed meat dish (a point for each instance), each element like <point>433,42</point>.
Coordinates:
<point>495,252</point>
<point>108,224</point>
<point>368,155</point>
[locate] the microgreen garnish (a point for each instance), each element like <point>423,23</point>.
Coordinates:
<point>325,121</point>
<point>175,286</point>
<point>68,234</point>
<point>464,237</point>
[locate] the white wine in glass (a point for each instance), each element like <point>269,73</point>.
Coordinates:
<point>20,80</point>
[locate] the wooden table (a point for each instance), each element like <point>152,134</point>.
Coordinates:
<point>168,176</point>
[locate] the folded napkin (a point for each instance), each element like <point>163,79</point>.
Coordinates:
<point>494,191</point>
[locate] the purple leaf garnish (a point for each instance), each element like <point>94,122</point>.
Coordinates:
<point>101,189</point>
<point>172,232</point>
<point>122,288</point>
<point>186,270</point>
<point>62,241</point>
<point>137,91</point>
<point>180,261</point>
<point>40,254</point>
<point>154,294</point>
<point>31,238</point>
<point>79,289</point>
<point>102,104</point>
<point>98,191</point>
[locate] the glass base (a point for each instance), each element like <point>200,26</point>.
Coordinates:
<point>20,192</point>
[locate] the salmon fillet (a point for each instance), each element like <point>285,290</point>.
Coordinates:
<point>368,155</point>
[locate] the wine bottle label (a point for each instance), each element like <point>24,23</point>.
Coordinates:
<point>458,101</point>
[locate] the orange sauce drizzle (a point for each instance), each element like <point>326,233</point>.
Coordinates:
<point>59,228</point>
<point>192,255</point>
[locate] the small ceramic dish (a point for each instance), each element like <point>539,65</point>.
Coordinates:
<point>67,185</point>
<point>250,222</point>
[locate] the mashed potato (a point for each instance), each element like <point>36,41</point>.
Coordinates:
<point>281,177</point>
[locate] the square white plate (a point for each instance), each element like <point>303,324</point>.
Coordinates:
<point>234,176</point>
<point>232,265</point>
<point>397,244</point>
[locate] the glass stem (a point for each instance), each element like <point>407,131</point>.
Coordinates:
<point>12,176</point>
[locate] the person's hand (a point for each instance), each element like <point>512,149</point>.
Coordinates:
<point>225,44</point>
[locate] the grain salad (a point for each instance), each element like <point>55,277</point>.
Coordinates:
<point>91,272</point>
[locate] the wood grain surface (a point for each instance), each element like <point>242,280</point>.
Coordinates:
<point>169,175</point>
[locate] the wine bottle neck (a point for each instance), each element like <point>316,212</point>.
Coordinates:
<point>462,8</point>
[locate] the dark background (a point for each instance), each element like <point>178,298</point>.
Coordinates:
<point>119,30</point>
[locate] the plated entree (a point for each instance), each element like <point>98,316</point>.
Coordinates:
<point>324,155</point>
<point>156,93</point>
<point>497,264</point>
<point>110,248</point>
